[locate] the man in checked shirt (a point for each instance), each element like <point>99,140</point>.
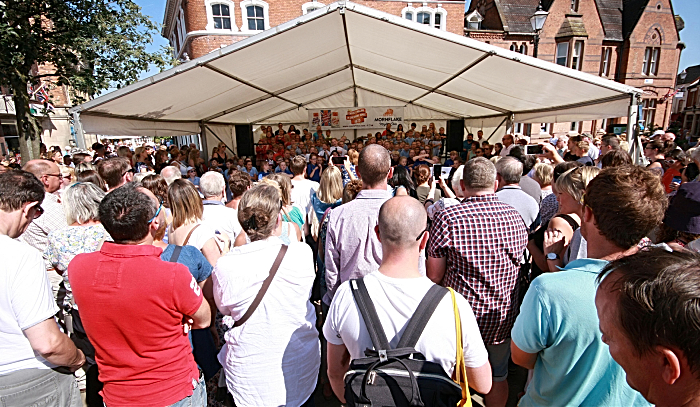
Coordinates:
<point>476,248</point>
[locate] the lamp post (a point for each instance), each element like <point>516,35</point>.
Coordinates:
<point>537,20</point>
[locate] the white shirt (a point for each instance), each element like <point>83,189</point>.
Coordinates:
<point>222,218</point>
<point>37,233</point>
<point>25,301</point>
<point>506,150</point>
<point>302,192</point>
<point>341,151</point>
<point>396,299</point>
<point>274,357</point>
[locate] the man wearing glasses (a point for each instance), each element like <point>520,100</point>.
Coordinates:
<point>36,235</point>
<point>32,345</point>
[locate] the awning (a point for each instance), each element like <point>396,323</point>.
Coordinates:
<point>345,55</point>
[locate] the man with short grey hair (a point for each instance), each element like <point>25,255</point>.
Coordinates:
<point>216,214</point>
<point>352,247</point>
<point>509,170</point>
<point>476,247</point>
<point>170,174</point>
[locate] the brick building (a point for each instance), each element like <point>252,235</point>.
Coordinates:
<point>56,125</point>
<point>197,27</point>
<point>686,104</point>
<point>635,42</point>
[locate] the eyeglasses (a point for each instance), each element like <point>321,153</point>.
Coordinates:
<point>157,212</point>
<point>38,211</point>
<point>59,175</point>
<point>421,234</point>
<point>131,170</point>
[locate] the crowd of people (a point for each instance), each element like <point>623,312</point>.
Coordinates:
<point>154,277</point>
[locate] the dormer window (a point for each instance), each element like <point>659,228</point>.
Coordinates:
<point>474,20</point>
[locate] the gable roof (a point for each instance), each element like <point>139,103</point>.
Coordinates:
<point>692,74</point>
<point>610,13</point>
<point>632,11</point>
<point>516,14</point>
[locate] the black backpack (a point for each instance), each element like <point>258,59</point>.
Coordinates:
<point>398,377</point>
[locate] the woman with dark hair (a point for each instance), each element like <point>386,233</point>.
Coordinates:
<point>675,161</point>
<point>655,153</point>
<point>161,157</point>
<point>277,341</point>
<point>497,149</point>
<point>402,180</point>
<point>681,225</point>
<point>399,128</point>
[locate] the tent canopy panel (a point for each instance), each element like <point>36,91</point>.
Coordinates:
<point>345,54</point>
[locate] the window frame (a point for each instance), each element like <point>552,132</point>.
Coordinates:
<point>244,15</point>
<point>474,18</point>
<point>210,16</point>
<point>557,56</point>
<point>574,5</point>
<point>577,55</point>
<point>605,59</point>
<point>315,5</point>
<point>649,111</point>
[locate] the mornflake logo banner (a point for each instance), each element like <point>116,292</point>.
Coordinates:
<point>356,117</point>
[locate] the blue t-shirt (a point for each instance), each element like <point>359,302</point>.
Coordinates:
<point>409,140</point>
<point>192,258</point>
<point>262,175</point>
<point>559,322</point>
<point>317,176</point>
<point>286,170</point>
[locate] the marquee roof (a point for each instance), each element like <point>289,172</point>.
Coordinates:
<point>346,55</point>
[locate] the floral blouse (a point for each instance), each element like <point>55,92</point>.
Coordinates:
<point>64,244</point>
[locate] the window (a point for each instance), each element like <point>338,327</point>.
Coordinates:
<point>577,57</point>
<point>512,47</point>
<point>311,6</point>
<point>474,20</point>
<point>605,61</point>
<point>648,111</point>
<point>562,53</point>
<point>523,49</point>
<point>574,5</point>
<point>573,126</point>
<point>408,16</point>
<point>256,19</point>
<point>423,18</point>
<point>438,20</point>
<point>518,128</point>
<point>544,128</point>
<point>255,14</point>
<point>222,16</point>
<point>650,65</point>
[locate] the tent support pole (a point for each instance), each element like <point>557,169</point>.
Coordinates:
<point>633,141</point>
<point>219,138</point>
<point>78,129</point>
<point>496,129</point>
<point>203,140</point>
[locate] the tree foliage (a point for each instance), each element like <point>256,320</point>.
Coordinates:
<point>89,45</point>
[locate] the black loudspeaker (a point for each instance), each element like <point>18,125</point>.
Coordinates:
<point>244,140</point>
<point>455,135</point>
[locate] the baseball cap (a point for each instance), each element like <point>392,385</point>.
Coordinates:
<point>553,140</point>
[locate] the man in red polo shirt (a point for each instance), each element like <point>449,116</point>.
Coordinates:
<point>133,305</point>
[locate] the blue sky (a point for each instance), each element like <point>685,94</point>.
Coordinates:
<point>685,8</point>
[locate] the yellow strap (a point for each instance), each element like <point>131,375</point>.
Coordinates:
<point>460,367</point>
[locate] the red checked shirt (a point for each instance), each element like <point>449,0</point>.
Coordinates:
<point>483,240</point>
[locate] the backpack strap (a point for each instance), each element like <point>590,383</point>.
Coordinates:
<point>176,254</point>
<point>369,315</point>
<point>421,316</point>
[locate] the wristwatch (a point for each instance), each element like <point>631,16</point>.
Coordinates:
<point>552,256</point>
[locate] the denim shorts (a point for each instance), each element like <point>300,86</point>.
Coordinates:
<point>31,387</point>
<point>499,356</point>
<point>198,397</point>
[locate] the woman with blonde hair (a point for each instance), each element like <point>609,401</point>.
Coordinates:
<point>330,191</point>
<point>557,236</point>
<point>290,213</point>
<point>272,354</point>
<point>288,230</point>
<point>187,227</point>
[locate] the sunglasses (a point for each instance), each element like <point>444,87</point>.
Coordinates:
<point>131,170</point>
<point>38,211</point>
<point>160,206</point>
<point>59,175</point>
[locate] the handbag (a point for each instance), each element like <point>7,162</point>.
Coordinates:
<point>460,373</point>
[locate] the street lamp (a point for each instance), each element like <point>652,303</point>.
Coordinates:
<point>537,20</point>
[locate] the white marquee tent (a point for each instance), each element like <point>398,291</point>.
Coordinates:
<point>347,55</point>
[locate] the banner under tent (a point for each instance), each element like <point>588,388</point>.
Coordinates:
<point>362,59</point>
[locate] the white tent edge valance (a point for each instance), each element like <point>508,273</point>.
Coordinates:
<point>619,100</point>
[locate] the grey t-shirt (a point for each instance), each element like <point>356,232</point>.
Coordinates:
<point>527,207</point>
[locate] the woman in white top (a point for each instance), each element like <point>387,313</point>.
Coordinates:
<point>187,227</point>
<point>273,358</point>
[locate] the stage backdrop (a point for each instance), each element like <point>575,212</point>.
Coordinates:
<point>356,117</point>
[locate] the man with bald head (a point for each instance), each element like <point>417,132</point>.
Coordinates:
<point>396,288</point>
<point>37,233</point>
<point>352,247</point>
